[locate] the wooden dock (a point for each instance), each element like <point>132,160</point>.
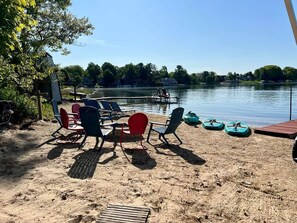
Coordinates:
<point>153,99</point>
<point>284,129</point>
<point>77,94</point>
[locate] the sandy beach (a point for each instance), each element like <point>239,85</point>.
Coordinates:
<point>211,177</point>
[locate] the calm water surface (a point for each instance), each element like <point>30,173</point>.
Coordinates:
<point>255,105</point>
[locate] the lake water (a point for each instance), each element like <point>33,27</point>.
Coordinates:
<point>255,105</point>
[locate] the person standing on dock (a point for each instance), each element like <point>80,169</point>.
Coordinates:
<point>165,93</point>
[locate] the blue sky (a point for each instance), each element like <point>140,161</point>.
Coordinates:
<point>214,35</point>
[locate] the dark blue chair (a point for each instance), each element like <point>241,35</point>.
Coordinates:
<point>169,127</point>
<point>92,102</point>
<point>116,108</point>
<point>85,100</point>
<point>90,121</point>
<point>106,105</point>
<point>105,115</point>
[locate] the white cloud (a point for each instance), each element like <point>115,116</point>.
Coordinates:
<point>87,40</point>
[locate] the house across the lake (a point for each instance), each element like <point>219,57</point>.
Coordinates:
<point>168,81</point>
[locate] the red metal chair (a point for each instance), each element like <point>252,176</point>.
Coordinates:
<point>137,124</point>
<point>68,123</point>
<point>75,110</point>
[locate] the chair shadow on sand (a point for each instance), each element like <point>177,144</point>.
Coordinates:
<point>61,143</point>
<point>184,153</point>
<point>58,149</point>
<point>140,159</point>
<point>137,157</point>
<point>86,162</point>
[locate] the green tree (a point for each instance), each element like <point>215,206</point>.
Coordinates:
<point>163,72</point>
<point>231,76</point>
<point>290,73</point>
<point>181,75</point>
<point>108,78</point>
<point>274,73</point>
<point>218,79</point>
<point>7,73</point>
<point>13,19</point>
<point>249,76</point>
<point>152,74</point>
<point>269,72</point>
<point>56,27</point>
<point>202,76</point>
<point>109,66</point>
<point>76,79</point>
<point>129,74</point>
<point>93,72</point>
<point>37,26</point>
<point>108,74</point>
<point>263,74</point>
<point>63,76</point>
<point>210,79</point>
<point>75,73</point>
<point>142,72</point>
<point>194,79</point>
<point>257,74</point>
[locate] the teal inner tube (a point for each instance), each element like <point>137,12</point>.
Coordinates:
<point>237,129</point>
<point>213,124</point>
<point>191,118</point>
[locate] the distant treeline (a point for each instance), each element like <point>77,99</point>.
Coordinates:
<point>109,75</point>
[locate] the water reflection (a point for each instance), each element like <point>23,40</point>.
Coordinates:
<point>268,87</point>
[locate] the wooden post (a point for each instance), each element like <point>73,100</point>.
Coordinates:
<point>290,103</point>
<point>74,92</point>
<point>39,106</point>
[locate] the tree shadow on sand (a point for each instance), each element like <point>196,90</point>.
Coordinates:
<point>14,159</point>
<point>86,162</point>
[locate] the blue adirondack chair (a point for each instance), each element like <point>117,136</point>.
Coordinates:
<point>116,108</point>
<point>90,121</point>
<point>169,127</point>
<point>105,115</point>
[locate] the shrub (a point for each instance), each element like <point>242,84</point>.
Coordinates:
<point>23,106</point>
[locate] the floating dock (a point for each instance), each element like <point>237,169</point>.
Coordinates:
<point>284,129</point>
<point>152,99</point>
<point>77,94</point>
